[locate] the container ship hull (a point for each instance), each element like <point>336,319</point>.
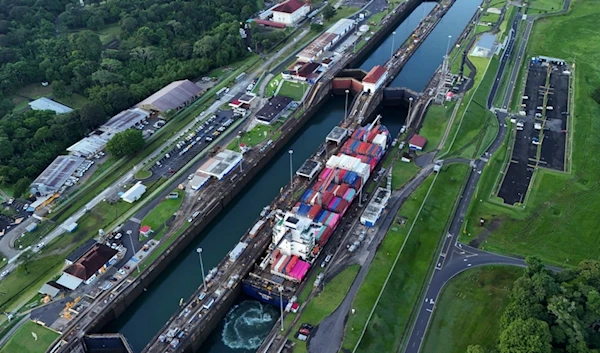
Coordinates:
<point>300,233</point>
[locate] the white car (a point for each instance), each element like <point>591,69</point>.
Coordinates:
<point>4,273</point>
<point>40,245</point>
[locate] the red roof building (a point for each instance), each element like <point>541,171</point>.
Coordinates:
<point>374,78</point>
<point>289,6</point>
<point>417,143</point>
<point>269,23</point>
<point>290,12</point>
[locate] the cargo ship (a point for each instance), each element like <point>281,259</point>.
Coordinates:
<point>300,233</point>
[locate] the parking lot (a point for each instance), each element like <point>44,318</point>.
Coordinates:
<point>541,129</point>
<point>555,128</point>
<point>192,142</point>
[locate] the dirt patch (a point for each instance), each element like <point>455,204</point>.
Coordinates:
<point>494,224</point>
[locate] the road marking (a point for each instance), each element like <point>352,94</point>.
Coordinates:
<point>133,219</point>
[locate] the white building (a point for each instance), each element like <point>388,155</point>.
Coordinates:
<point>290,12</point>
<point>134,193</point>
<point>295,235</point>
<point>374,79</point>
<point>221,164</point>
<point>375,207</point>
<point>48,104</point>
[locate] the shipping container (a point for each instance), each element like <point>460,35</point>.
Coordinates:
<point>349,195</point>
<point>303,209</point>
<point>314,211</point>
<point>324,174</point>
<point>291,264</point>
<point>317,185</point>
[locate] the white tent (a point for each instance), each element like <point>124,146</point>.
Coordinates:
<point>134,193</point>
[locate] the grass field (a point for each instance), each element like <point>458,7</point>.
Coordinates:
<point>162,212</point>
<point>258,134</point>
<point>489,17</point>
<point>402,172</point>
<point>272,86</point>
<point>325,302</point>
<point>435,123</point>
<point>391,317</point>
<point>109,33</point>
<point>294,90</point>
<point>556,225</point>
<point>24,341</point>
<point>473,121</point>
<point>469,309</point>
<point>544,6</point>
<point>143,174</point>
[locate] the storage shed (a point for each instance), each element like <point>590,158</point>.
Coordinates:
<point>134,193</point>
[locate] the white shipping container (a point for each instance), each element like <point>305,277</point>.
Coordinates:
<point>380,139</point>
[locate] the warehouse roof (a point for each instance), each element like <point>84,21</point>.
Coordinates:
<point>80,251</point>
<point>486,41</point>
<point>172,96</point>
<point>57,173</point>
<point>273,108</point>
<point>124,120</point>
<point>48,104</point>
<point>375,74</point>
<point>418,141</point>
<point>289,6</point>
<point>318,45</point>
<point>91,261</point>
<point>342,26</point>
<point>221,164</point>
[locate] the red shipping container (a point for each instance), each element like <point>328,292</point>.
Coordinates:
<point>291,264</point>
<point>314,211</point>
<point>316,249</point>
<point>317,185</point>
<point>327,197</point>
<point>342,173</point>
<point>276,255</point>
<point>343,189</point>
<point>341,207</point>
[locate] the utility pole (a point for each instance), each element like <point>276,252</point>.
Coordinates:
<point>291,152</point>
<point>346,106</point>
<point>281,306</point>
<point>393,40</point>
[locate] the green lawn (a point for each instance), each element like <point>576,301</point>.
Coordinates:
<point>556,225</point>
<point>391,317</point>
<point>257,135</point>
<point>162,212</point>
<point>294,90</point>
<point>271,87</point>
<point>402,172</point>
<point>469,309</point>
<point>489,17</point>
<point>473,120</point>
<point>109,34</point>
<point>143,174</point>
<point>24,341</point>
<point>434,125</point>
<point>325,302</point>
<point>544,6</point>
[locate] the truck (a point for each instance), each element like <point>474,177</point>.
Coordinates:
<point>221,92</point>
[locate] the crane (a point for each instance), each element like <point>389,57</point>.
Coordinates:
<point>371,125</point>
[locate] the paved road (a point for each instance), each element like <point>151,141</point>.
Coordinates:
<point>515,73</point>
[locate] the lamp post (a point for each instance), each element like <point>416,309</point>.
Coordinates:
<point>410,100</point>
<point>281,306</point>
<point>393,40</point>
<point>448,46</point>
<point>346,107</point>
<point>199,250</point>
<point>291,152</point>
<point>137,264</point>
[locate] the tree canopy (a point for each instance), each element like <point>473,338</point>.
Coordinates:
<point>58,41</point>
<point>125,143</point>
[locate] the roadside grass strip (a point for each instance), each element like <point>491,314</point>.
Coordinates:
<point>469,309</point>
<point>325,303</point>
<point>401,265</point>
<point>556,224</point>
<point>30,338</point>
<point>434,124</point>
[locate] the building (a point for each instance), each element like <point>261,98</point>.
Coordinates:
<point>49,289</point>
<point>374,79</point>
<point>198,180</point>
<point>306,71</point>
<point>145,230</point>
<point>375,207</point>
<point>174,96</point>
<point>274,108</point>
<point>79,252</point>
<point>417,143</point>
<point>494,10</point>
<point>134,193</point>
<point>48,104</point>
<point>326,40</point>
<point>267,23</point>
<point>55,175</point>
<point>97,140</point>
<point>485,47</point>
<point>290,12</point>
<point>221,164</point>
<point>87,268</point>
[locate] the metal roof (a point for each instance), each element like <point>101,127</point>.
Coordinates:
<point>289,6</point>
<point>48,104</point>
<point>342,26</point>
<point>57,173</point>
<point>172,96</point>
<point>486,41</point>
<point>124,120</point>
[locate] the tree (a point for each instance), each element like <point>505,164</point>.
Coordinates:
<point>526,336</point>
<point>92,115</point>
<point>59,89</point>
<point>21,187</point>
<point>95,22</point>
<point>475,349</point>
<point>125,143</point>
<point>328,12</point>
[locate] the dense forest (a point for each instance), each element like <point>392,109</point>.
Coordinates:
<point>56,41</point>
<point>552,312</point>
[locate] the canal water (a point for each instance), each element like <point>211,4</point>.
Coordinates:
<point>248,322</point>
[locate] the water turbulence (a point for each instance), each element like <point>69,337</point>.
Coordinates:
<point>247,324</point>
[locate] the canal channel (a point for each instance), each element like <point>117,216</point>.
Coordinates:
<point>248,321</point>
